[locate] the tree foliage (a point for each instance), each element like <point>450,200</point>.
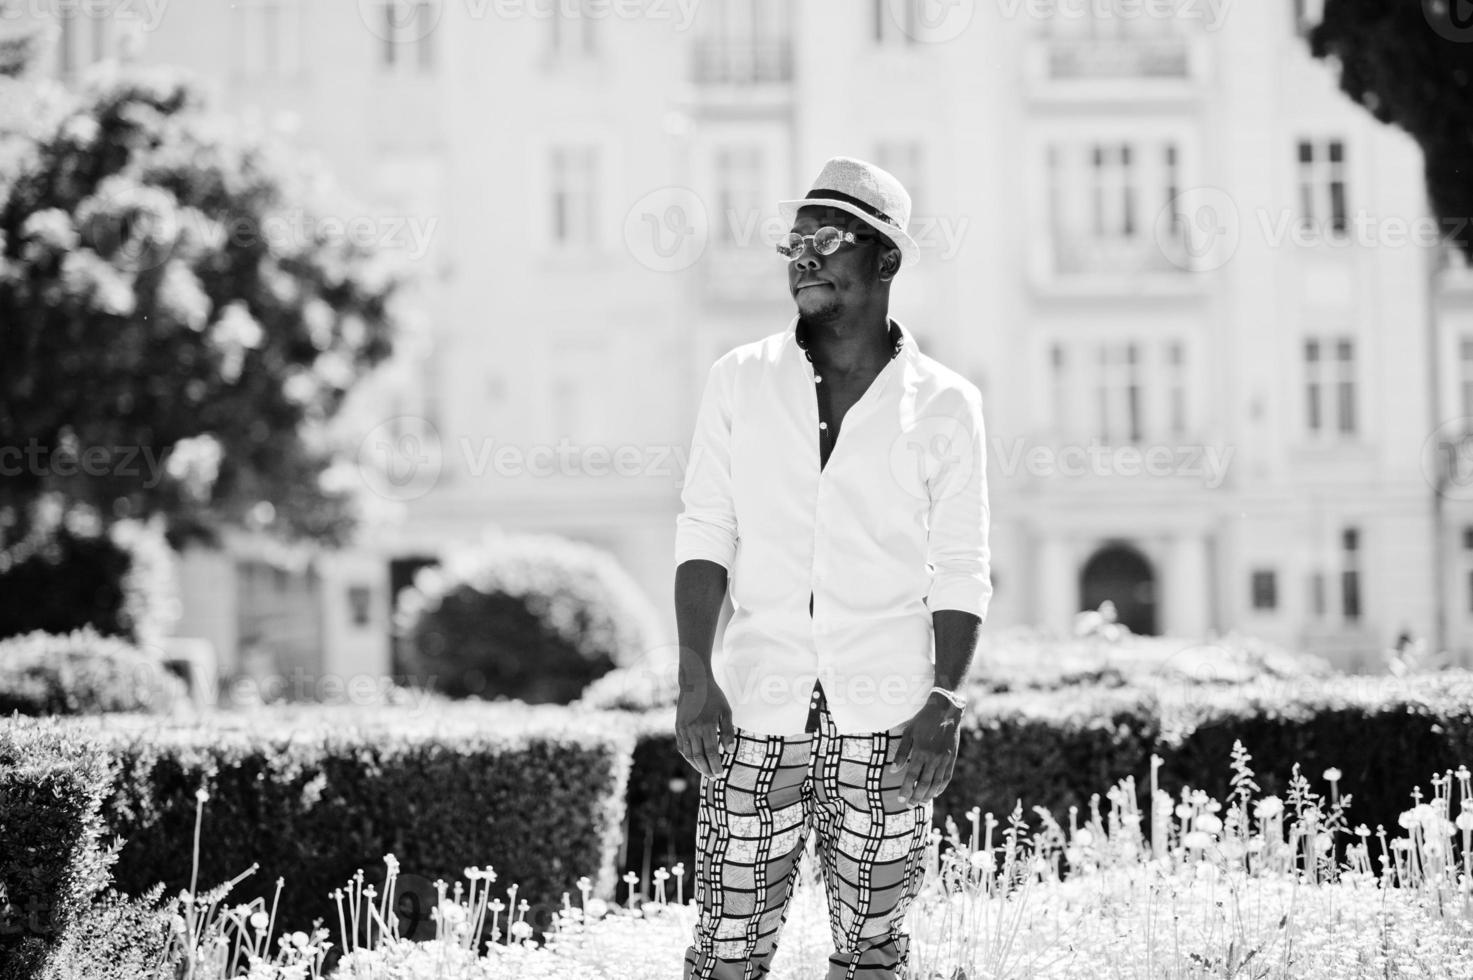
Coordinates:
<point>1410,63</point>
<point>178,321</point>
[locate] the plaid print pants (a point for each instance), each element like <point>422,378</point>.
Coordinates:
<point>752,827</point>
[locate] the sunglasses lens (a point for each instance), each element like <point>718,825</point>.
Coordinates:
<point>826,240</point>
<point>790,245</point>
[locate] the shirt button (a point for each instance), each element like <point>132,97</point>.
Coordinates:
<point>818,379</point>
<point>823,425</point>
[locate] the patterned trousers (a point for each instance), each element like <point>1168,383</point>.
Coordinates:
<point>753,825</point>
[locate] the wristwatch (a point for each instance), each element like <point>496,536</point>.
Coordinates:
<point>956,699</point>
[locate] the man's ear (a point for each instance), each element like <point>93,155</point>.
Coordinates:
<point>889,264</point>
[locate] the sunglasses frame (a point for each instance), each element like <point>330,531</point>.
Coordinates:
<point>807,241</point>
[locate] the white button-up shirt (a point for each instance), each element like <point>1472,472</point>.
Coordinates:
<point>891,529</point>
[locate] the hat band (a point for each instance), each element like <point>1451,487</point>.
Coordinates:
<point>818,193</point>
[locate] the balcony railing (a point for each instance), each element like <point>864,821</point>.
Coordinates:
<point>1119,58</point>
<point>1083,255</point>
<point>742,63</point>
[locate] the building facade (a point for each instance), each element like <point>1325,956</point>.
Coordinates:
<point>1219,383</point>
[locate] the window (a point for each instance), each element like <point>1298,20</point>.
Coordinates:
<point>895,22</point>
<point>739,194</point>
<point>1468,563</point>
<point>1059,387</point>
<point>1176,388</point>
<point>573,171</point>
<point>1265,589</point>
<point>270,37</point>
<point>1329,378</point>
<point>360,605</point>
<point>83,37</point>
<point>1465,380</point>
<point>1322,208</point>
<point>1317,595</point>
<point>1103,200</point>
<point>571,30</point>
<point>744,42</point>
<point>1350,574</point>
<point>406,32</point>
<point>1119,393</point>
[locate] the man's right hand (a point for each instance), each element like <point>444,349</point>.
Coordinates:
<point>702,718</point>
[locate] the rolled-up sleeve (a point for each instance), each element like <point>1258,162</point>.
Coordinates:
<point>706,526</point>
<point>958,548</point>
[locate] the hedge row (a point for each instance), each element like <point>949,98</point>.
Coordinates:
<point>314,796</point>
<point>1057,748</point>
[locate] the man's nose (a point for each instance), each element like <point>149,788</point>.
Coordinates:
<point>807,261</point>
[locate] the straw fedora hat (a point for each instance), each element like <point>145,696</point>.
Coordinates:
<point>862,189</point>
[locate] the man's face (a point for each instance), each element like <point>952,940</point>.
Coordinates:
<point>825,286</point>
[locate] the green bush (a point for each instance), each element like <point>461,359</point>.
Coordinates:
<point>83,672</point>
<point>530,617</point>
<point>65,571</point>
<point>314,796</point>
<point>52,859</point>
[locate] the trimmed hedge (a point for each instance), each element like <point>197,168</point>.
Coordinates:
<point>83,672</point>
<point>52,860</point>
<point>317,794</point>
<point>533,617</point>
<point>1057,748</point>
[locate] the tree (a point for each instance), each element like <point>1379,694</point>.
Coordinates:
<point>178,326</point>
<point>1410,63</point>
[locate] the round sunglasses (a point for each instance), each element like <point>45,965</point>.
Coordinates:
<point>824,241</point>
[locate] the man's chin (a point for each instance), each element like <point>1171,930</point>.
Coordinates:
<point>816,309</point>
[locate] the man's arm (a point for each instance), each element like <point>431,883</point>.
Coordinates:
<point>961,590</point>
<point>705,548</point>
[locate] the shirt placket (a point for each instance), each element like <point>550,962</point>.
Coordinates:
<point>826,443</point>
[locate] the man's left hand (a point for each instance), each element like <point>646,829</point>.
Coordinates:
<point>927,751</point>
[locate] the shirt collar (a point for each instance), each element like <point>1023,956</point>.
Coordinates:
<point>901,339</point>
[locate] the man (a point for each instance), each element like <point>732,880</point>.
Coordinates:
<point>837,480</point>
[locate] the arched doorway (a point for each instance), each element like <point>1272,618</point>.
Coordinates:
<point>1122,574</point>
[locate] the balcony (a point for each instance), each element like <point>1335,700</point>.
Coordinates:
<point>1167,57</point>
<point>742,64</point>
<point>1168,66</point>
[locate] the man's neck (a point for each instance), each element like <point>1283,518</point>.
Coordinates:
<point>848,347</point>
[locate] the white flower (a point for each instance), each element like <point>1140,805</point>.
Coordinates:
<point>1083,837</point>
<point>596,908</point>
<point>1269,806</point>
<point>1207,822</point>
<point>260,920</point>
<point>521,930</point>
<point>1332,775</point>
